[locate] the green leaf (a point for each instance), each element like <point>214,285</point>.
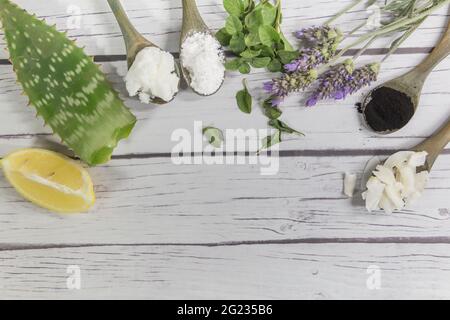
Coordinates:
<point>267,51</point>
<point>237,43</point>
<point>268,13</point>
<point>283,127</point>
<point>270,141</point>
<point>66,87</point>
<point>214,136</point>
<point>233,25</point>
<point>233,65</point>
<point>252,39</point>
<point>223,37</point>
<point>287,45</point>
<point>270,111</point>
<point>254,19</point>
<point>249,53</point>
<point>275,66</point>
<point>244,68</point>
<point>234,7</point>
<point>247,4</point>
<point>244,99</point>
<point>288,56</point>
<point>260,62</point>
<point>268,35</point>
<point>256,37</point>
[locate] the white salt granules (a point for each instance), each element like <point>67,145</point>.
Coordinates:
<point>151,75</point>
<point>202,57</point>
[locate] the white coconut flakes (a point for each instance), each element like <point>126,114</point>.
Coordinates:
<point>396,183</point>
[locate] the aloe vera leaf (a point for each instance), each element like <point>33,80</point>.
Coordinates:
<point>66,87</point>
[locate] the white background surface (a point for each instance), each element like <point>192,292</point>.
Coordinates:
<point>164,231</point>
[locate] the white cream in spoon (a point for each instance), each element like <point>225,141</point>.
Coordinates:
<point>152,74</point>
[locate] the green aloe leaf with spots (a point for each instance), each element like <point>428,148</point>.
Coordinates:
<point>66,87</point>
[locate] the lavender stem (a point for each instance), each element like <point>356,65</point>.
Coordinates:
<point>343,11</point>
<point>364,48</point>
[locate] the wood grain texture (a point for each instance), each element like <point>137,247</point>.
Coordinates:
<point>333,271</point>
<point>155,201</point>
<point>339,120</point>
<point>98,28</point>
<point>161,230</point>
<point>92,23</point>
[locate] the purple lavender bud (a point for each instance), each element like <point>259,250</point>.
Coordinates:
<point>268,86</point>
<point>312,101</point>
<point>363,77</point>
<point>324,42</point>
<point>340,94</point>
<point>319,36</point>
<point>341,81</point>
<point>332,84</point>
<point>276,101</point>
<point>293,66</point>
<point>299,34</point>
<point>309,59</point>
<point>289,82</point>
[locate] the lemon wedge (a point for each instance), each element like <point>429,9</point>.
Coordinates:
<point>50,180</point>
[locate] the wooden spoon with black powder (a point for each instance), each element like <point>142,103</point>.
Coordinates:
<point>391,106</point>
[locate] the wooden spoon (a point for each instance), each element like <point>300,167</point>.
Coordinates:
<point>192,23</point>
<point>412,82</point>
<point>134,41</point>
<point>434,145</point>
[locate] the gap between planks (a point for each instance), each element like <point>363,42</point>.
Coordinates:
<point>352,52</point>
<point>283,153</point>
<point>318,241</point>
<point>310,153</point>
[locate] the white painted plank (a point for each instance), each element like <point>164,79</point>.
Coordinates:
<point>326,271</point>
<point>152,134</point>
<point>151,201</point>
<point>155,201</point>
<point>339,120</point>
<point>92,23</point>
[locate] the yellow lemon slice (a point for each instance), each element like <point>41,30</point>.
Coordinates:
<point>50,180</point>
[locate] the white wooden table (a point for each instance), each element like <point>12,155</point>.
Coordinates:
<point>161,230</point>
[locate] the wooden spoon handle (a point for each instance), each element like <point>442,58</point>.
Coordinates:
<point>440,52</point>
<point>130,34</point>
<point>192,20</point>
<point>435,144</point>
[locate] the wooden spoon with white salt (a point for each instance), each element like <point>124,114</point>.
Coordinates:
<point>193,23</point>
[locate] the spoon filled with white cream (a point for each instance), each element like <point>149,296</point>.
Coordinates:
<point>153,74</point>
<point>402,178</point>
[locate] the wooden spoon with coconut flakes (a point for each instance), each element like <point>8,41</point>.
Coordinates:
<point>134,41</point>
<point>401,179</point>
<point>433,146</point>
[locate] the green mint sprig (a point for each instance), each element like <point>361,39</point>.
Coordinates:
<point>252,33</point>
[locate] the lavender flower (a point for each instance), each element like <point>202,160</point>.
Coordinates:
<point>319,36</point>
<point>363,77</point>
<point>342,80</point>
<point>324,42</point>
<point>309,58</point>
<point>332,83</point>
<point>279,88</point>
